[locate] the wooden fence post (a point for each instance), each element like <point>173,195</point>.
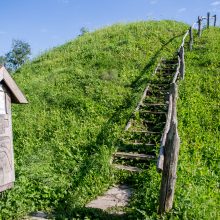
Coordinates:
<point>182,62</point>
<point>191,38</point>
<point>208,19</point>
<point>199,26</point>
<point>160,160</point>
<point>214,20</point>
<point>171,152</point>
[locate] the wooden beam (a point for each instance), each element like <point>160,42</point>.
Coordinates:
<point>128,168</point>
<point>17,95</point>
<point>145,132</point>
<point>171,151</point>
<point>182,62</point>
<point>177,71</point>
<point>160,160</point>
<point>208,19</point>
<point>134,156</point>
<point>215,18</point>
<point>152,112</point>
<point>199,26</point>
<point>139,143</point>
<point>191,38</point>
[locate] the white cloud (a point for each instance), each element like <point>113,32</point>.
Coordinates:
<point>215,3</point>
<point>181,10</point>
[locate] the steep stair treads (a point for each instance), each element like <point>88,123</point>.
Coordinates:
<point>144,130</point>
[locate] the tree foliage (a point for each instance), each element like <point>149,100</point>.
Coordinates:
<point>18,55</point>
<point>2,60</point>
<point>83,31</point>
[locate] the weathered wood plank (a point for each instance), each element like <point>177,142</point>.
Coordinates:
<point>208,19</point>
<point>182,62</point>
<point>160,161</point>
<point>199,26</point>
<point>171,151</point>
<point>128,168</point>
<point>134,156</point>
<point>215,19</point>
<point>154,104</point>
<point>7,172</point>
<point>145,132</point>
<point>169,171</point>
<point>152,112</point>
<point>17,95</point>
<point>139,143</point>
<point>142,100</point>
<point>191,38</point>
<point>177,71</point>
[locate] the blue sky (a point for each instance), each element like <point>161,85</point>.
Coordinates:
<point>48,23</point>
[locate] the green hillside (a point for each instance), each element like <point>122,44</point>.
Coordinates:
<point>80,97</point>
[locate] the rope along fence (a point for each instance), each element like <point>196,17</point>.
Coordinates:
<point>170,141</point>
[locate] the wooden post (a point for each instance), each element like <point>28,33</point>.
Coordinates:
<point>160,160</point>
<point>214,20</point>
<point>208,19</point>
<point>182,62</point>
<point>199,26</point>
<point>191,38</point>
<point>171,152</point>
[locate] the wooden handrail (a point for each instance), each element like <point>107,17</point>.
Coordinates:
<point>170,141</point>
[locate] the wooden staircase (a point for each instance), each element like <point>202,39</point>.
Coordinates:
<point>144,130</point>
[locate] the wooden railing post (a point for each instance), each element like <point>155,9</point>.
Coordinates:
<point>160,160</point>
<point>208,19</point>
<point>182,62</point>
<point>214,20</point>
<point>191,38</point>
<point>199,26</point>
<point>171,152</point>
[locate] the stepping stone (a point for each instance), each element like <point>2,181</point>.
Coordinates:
<point>117,196</point>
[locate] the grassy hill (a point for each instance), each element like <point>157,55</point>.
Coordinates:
<point>80,97</point>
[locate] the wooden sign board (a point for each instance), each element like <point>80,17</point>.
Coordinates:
<point>7,172</point>
<point>9,93</point>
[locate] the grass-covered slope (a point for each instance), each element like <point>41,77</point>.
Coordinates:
<point>80,97</point>
<point>198,182</point>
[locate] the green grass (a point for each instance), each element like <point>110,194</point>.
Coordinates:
<point>198,189</point>
<point>80,97</point>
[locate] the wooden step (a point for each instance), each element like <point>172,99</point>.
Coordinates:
<point>139,143</point>
<point>151,112</point>
<point>153,122</point>
<point>128,168</point>
<point>134,156</point>
<point>166,68</point>
<point>145,132</point>
<point>153,104</point>
<point>160,84</point>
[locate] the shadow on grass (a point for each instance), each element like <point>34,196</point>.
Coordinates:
<point>91,213</point>
<point>138,83</point>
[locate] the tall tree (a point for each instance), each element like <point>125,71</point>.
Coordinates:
<point>19,54</point>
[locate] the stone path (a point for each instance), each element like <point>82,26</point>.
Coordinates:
<point>117,196</point>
